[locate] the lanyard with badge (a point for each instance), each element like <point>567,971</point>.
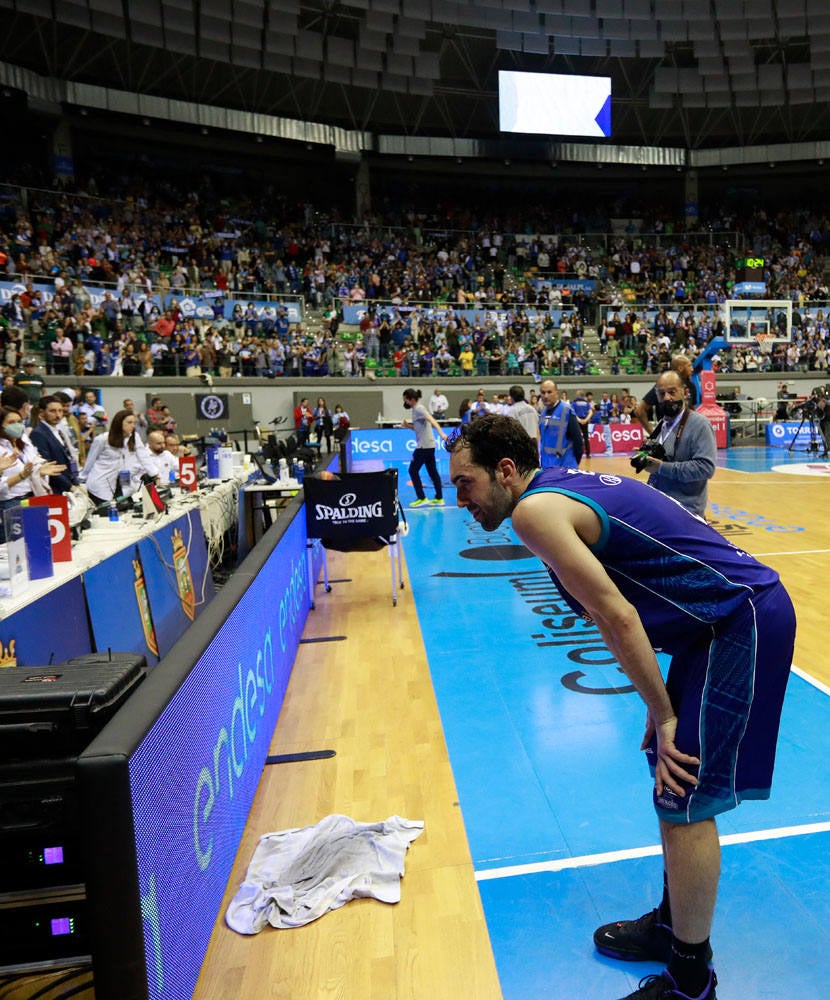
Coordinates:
<point>677,429</point>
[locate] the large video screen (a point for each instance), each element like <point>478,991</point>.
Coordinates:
<point>555,104</point>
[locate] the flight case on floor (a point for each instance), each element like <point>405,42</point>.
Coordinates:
<point>55,711</point>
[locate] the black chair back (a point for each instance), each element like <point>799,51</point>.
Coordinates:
<point>355,506</point>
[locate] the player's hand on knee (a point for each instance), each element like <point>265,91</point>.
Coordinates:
<point>672,764</point>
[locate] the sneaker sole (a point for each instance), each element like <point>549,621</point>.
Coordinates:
<point>632,956</point>
<point>637,955</point>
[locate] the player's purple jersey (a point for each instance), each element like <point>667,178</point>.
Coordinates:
<point>679,573</point>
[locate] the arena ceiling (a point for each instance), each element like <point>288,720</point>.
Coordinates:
<point>693,74</point>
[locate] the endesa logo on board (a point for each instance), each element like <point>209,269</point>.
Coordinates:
<point>624,437</point>
<point>392,444</point>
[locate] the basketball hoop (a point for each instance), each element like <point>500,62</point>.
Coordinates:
<point>764,341</point>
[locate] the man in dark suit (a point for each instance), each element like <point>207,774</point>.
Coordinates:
<point>47,438</point>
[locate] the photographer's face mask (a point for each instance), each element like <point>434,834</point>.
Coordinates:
<point>668,409</point>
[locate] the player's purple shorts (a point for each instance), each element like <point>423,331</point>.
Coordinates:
<point>727,688</point>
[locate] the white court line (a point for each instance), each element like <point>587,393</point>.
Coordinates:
<point>795,552</point>
<point>820,685</point>
<point>589,860</point>
<point>610,857</point>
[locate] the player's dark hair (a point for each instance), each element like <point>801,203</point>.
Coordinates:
<point>492,438</point>
<point>412,394</point>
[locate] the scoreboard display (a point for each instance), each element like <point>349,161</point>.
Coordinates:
<point>749,268</point>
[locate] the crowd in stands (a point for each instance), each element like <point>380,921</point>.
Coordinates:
<point>531,294</point>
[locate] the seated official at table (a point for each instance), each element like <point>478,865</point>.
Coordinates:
<point>119,450</point>
<point>165,460</point>
<point>174,445</point>
<point>23,472</point>
<point>52,444</point>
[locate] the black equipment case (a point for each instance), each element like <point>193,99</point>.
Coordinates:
<point>55,711</point>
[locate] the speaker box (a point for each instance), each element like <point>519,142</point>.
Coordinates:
<point>44,933</point>
<point>40,826</point>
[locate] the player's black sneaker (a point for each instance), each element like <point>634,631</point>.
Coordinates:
<point>663,987</point>
<point>642,940</point>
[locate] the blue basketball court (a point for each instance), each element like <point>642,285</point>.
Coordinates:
<point>543,733</point>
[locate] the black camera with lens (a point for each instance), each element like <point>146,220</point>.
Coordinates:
<point>809,408</point>
<point>648,449</point>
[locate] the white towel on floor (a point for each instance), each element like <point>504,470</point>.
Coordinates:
<point>295,876</point>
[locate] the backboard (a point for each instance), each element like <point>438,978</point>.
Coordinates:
<point>762,321</point>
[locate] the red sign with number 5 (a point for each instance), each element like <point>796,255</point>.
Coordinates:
<point>59,530</point>
<point>187,472</point>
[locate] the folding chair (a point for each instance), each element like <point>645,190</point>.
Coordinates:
<point>356,512</point>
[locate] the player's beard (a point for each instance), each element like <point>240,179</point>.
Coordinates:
<point>496,506</point>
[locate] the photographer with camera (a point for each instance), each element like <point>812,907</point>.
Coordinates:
<point>819,411</point>
<point>680,455</point>
<point>647,406</point>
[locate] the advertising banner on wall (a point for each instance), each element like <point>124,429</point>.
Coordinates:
<point>394,444</point>
<point>790,433</point>
<point>623,437</point>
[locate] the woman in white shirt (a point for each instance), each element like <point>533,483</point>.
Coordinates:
<point>23,471</point>
<point>119,450</point>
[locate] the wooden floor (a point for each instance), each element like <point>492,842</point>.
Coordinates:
<point>780,503</point>
<point>369,698</point>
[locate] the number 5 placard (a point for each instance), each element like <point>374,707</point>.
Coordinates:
<point>59,531</point>
<point>187,472</point>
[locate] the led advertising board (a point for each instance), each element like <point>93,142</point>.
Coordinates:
<point>169,783</point>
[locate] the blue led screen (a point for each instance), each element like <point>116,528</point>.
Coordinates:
<point>194,775</point>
